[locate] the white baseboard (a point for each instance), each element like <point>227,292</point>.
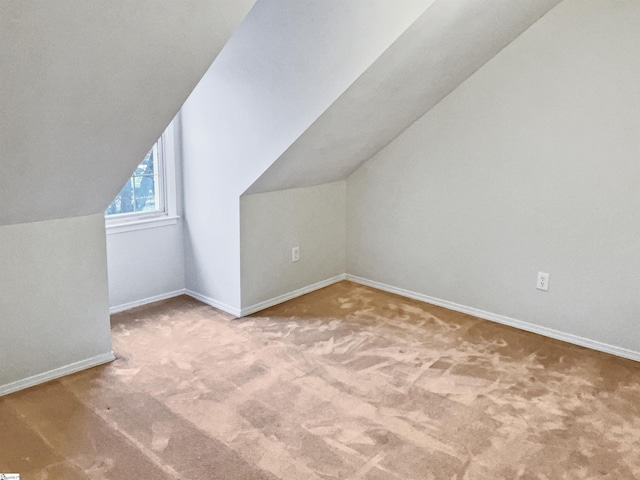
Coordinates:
<point>145,301</point>
<point>215,303</point>
<point>494,317</point>
<point>56,373</point>
<point>267,303</point>
<point>512,322</point>
<point>288,296</point>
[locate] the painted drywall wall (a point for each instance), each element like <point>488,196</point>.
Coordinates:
<point>147,264</point>
<point>312,218</point>
<point>92,84</point>
<point>445,45</point>
<point>530,165</point>
<point>285,64</point>
<point>53,297</point>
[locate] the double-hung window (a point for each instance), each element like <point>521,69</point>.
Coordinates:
<point>148,198</point>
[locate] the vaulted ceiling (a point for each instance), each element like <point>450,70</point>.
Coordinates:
<point>87,88</point>
<point>442,48</point>
<point>284,66</point>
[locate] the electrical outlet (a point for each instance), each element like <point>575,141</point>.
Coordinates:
<point>543,281</point>
<point>295,254</point>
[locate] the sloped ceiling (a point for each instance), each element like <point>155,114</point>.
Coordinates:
<point>284,66</point>
<point>443,47</point>
<point>86,89</point>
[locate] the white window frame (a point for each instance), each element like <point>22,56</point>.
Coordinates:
<point>127,222</point>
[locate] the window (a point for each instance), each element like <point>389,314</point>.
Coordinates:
<point>148,198</point>
<point>143,193</point>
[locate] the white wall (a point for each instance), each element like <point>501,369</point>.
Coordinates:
<point>531,165</point>
<point>312,218</point>
<point>145,265</point>
<point>53,299</point>
<point>286,63</point>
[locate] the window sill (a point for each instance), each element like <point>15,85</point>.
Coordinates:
<point>114,226</point>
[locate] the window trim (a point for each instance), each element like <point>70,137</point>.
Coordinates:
<point>127,222</point>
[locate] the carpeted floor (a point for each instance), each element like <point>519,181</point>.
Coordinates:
<point>345,383</point>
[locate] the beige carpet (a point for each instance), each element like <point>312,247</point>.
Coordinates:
<point>344,383</point>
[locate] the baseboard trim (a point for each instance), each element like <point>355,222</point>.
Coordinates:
<point>56,373</point>
<point>295,293</point>
<point>145,301</point>
<point>214,303</point>
<point>512,322</point>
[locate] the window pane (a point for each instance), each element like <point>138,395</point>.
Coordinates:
<point>123,203</point>
<point>145,193</point>
<point>141,192</point>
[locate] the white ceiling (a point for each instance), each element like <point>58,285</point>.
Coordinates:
<point>443,47</point>
<point>88,86</point>
<point>283,67</point>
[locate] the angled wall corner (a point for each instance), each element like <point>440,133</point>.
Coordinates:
<point>87,88</point>
<point>424,63</point>
<point>530,165</point>
<point>286,63</point>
